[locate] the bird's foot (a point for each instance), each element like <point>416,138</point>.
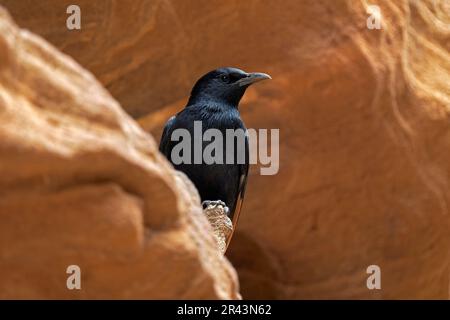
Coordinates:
<point>208,203</point>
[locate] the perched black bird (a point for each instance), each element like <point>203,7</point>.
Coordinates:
<point>214,101</point>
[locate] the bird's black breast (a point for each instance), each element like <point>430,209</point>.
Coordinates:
<point>224,182</point>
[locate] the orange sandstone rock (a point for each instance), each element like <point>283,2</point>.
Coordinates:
<point>363,118</point>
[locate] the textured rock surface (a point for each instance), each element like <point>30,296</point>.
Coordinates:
<point>364,119</point>
<point>221,224</point>
<point>82,184</point>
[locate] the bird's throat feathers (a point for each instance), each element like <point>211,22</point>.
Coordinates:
<point>213,110</point>
<point>216,100</point>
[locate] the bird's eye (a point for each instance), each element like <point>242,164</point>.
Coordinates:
<point>225,78</point>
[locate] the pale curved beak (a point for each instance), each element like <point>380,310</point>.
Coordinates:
<point>253,78</point>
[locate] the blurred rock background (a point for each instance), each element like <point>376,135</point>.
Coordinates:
<point>363,118</point>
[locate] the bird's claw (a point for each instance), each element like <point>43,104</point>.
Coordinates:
<point>216,203</point>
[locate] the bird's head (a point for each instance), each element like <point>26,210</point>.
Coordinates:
<point>224,85</point>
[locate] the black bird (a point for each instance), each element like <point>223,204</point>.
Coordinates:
<point>214,101</point>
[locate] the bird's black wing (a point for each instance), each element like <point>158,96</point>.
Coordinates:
<point>164,145</point>
<point>243,174</point>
